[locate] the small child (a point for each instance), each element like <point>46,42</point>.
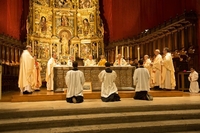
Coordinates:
<point>193,78</point>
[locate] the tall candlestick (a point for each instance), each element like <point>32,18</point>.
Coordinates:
<point>79,50</point>
<point>122,51</point>
<point>138,53</point>
<point>128,52</point>
<point>116,52</point>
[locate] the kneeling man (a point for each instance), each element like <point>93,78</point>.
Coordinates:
<point>74,80</point>
<point>141,81</point>
<point>109,92</point>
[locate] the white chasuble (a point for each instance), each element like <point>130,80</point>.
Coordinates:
<point>74,80</point>
<point>49,73</point>
<point>168,77</point>
<point>108,85</point>
<point>89,62</point>
<point>120,62</point>
<point>156,71</point>
<point>194,85</point>
<point>26,71</point>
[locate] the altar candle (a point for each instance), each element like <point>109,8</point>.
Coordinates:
<point>138,53</point>
<point>116,52</point>
<point>122,51</point>
<point>128,52</point>
<point>79,50</point>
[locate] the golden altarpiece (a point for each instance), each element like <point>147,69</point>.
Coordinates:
<point>66,27</point>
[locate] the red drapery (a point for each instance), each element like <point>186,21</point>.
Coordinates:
<point>126,18</point>
<point>13,15</point>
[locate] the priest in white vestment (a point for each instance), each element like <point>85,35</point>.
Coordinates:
<point>120,61</point>
<point>193,78</point>
<point>26,71</point>
<point>156,70</point>
<point>49,72</point>
<point>141,81</point>
<point>147,63</point>
<point>90,61</point>
<point>70,61</point>
<point>74,80</point>
<point>168,78</point>
<point>109,91</point>
<point>36,75</point>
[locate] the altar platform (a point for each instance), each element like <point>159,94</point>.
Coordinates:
<point>44,95</point>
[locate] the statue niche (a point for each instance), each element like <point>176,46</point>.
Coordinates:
<point>64,42</point>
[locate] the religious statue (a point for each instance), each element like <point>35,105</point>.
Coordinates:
<point>43,25</point>
<point>86,26</point>
<point>101,29</point>
<point>64,21</point>
<point>91,17</point>
<point>27,26</point>
<point>65,3</point>
<point>64,44</point>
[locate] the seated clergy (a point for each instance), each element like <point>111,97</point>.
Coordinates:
<point>102,61</point>
<point>90,61</point>
<point>70,61</point>
<point>193,78</point>
<point>74,80</point>
<point>141,81</point>
<point>109,92</point>
<point>120,61</point>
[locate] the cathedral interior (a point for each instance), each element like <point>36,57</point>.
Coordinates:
<point>81,28</point>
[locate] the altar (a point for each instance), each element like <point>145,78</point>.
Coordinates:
<point>124,79</point>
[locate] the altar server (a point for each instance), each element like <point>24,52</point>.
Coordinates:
<point>141,81</point>
<point>156,70</point>
<point>168,78</point>
<point>74,80</point>
<point>90,61</point>
<point>70,61</point>
<point>109,92</point>
<point>120,61</point>
<point>36,75</point>
<point>193,78</point>
<point>49,72</point>
<point>26,71</point>
<point>102,61</point>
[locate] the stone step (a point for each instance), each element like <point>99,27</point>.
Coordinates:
<point>30,113</point>
<point>190,125</point>
<point>97,119</point>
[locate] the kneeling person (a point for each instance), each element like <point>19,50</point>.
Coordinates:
<point>74,80</point>
<point>109,92</point>
<point>141,80</point>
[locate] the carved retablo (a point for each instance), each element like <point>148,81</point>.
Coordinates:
<point>67,27</point>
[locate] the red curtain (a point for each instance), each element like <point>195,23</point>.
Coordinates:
<point>13,15</point>
<point>126,18</point>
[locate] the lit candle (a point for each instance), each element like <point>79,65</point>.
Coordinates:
<point>122,51</point>
<point>128,52</point>
<point>138,53</point>
<point>116,52</point>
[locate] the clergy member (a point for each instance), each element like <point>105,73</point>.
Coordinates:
<point>168,78</point>
<point>70,61</point>
<point>120,61</point>
<point>141,81</point>
<point>74,80</point>
<point>49,72</point>
<point>109,92</point>
<point>102,61</point>
<point>26,71</point>
<point>193,78</point>
<point>90,61</point>
<point>36,75</point>
<point>156,70</point>
<point>147,63</point>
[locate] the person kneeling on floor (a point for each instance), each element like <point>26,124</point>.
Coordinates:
<point>141,81</point>
<point>74,80</point>
<point>109,92</point>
